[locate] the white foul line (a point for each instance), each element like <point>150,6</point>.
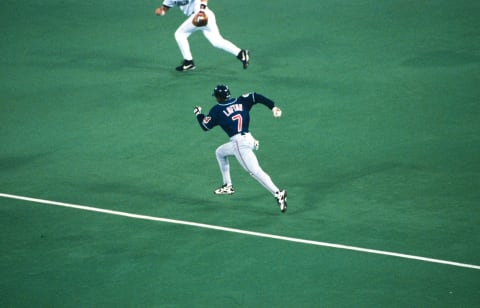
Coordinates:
<point>272,236</point>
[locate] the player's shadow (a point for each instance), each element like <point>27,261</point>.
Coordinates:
<point>108,194</point>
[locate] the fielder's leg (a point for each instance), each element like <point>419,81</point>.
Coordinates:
<point>212,34</point>
<point>181,37</point>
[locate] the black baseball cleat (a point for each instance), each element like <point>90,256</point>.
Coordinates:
<point>244,56</point>
<point>187,65</point>
<point>281,197</point>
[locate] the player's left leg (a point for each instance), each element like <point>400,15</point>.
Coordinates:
<point>212,34</point>
<point>248,160</point>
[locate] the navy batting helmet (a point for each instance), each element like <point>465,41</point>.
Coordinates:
<point>221,91</point>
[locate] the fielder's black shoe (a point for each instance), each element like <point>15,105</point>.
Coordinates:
<point>244,56</point>
<point>187,65</point>
<point>281,197</point>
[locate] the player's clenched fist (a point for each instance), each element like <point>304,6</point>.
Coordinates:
<point>277,112</point>
<point>197,110</point>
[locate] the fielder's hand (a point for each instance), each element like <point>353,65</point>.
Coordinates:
<point>277,112</point>
<point>197,110</point>
<point>161,11</point>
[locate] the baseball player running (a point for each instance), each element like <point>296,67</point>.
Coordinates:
<point>200,18</point>
<point>233,116</point>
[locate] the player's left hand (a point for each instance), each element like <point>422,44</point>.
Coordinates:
<point>277,112</point>
<point>197,110</point>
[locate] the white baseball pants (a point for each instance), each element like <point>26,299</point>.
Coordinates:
<point>242,146</point>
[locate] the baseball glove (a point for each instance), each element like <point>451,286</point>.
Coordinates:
<point>200,19</point>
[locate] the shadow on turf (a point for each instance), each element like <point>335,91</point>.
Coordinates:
<point>19,161</point>
<point>441,58</point>
<point>260,204</point>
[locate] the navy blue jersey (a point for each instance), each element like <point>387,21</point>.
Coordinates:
<point>233,115</point>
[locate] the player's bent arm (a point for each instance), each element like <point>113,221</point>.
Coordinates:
<point>197,111</point>
<point>259,98</point>
<point>200,118</point>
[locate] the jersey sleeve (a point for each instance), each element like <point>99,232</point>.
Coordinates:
<point>168,3</point>
<point>207,122</point>
<point>200,119</point>
<point>259,98</point>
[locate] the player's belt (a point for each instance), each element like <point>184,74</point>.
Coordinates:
<point>240,134</point>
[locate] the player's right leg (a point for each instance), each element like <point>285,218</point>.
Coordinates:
<point>181,37</point>
<point>222,153</point>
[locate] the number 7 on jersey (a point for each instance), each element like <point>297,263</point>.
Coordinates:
<point>238,117</point>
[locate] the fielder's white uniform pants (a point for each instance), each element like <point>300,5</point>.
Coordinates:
<point>210,31</point>
<point>242,146</point>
